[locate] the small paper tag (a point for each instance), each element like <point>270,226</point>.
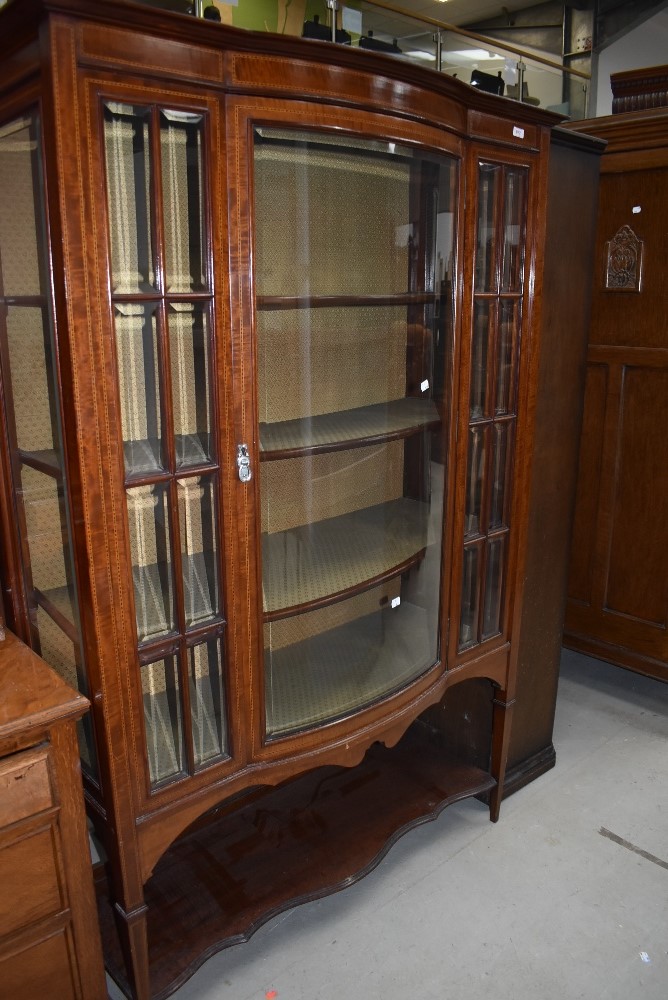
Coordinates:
<point>424,385</point>
<point>518,132</point>
<point>396,601</point>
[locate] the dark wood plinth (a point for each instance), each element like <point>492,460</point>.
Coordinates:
<point>310,837</point>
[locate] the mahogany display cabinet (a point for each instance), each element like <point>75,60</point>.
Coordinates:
<point>271,315</point>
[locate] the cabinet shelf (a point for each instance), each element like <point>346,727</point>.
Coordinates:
<point>57,602</point>
<point>298,842</point>
<point>273,302</point>
<point>317,564</point>
<point>340,671</point>
<point>348,428</point>
<point>45,461</point>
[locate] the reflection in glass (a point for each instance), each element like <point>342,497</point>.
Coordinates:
<point>61,653</point>
<point>198,547</point>
<point>45,522</point>
<point>207,703</point>
<point>182,191</point>
<point>139,384</point>
<point>163,719</point>
<point>509,317</point>
<point>478,407</point>
<point>22,244</point>
<point>152,571</point>
<point>128,161</point>
<point>500,434</point>
<point>191,388</point>
<point>475,479</point>
<point>333,202</point>
<point>31,397</point>
<point>468,625</point>
<point>327,663</point>
<point>513,229</point>
<point>32,379</point>
<point>491,617</point>
<point>485,277</point>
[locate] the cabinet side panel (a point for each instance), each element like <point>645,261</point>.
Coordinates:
<point>587,495</point>
<point>572,199</point>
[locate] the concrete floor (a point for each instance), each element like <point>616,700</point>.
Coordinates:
<point>543,905</point>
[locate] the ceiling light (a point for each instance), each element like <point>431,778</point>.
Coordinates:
<point>476,54</point>
<point>420,53</point>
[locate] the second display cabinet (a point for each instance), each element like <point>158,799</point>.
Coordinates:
<point>269,348</point>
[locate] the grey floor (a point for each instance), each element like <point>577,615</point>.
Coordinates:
<point>545,904</point>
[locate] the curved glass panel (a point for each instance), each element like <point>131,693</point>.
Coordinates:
<point>353,255</point>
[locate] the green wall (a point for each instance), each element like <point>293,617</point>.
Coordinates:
<point>262,15</point>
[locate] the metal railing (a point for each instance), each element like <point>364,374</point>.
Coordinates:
<point>522,74</point>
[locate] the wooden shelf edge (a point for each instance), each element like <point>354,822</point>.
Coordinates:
<point>346,535</point>
<point>415,416</point>
<point>340,595</point>
<point>273,302</point>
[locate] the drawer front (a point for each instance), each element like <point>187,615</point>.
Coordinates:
<point>41,970</point>
<point>29,880</point>
<point>25,786</point>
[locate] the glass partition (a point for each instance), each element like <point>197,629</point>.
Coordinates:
<point>353,268</point>
<point>497,320</point>
<point>33,418</point>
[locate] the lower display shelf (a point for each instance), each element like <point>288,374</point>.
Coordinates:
<point>300,841</point>
<point>342,670</point>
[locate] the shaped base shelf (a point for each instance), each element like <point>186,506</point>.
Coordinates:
<point>300,841</point>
